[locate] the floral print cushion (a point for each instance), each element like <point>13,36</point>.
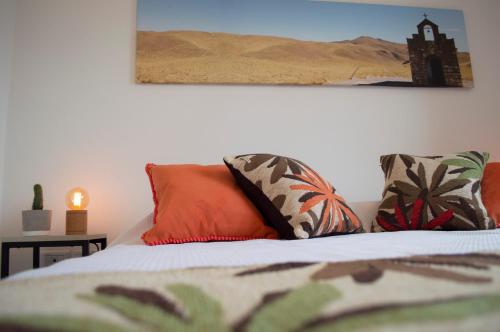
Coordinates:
<point>433,193</point>
<point>292,197</point>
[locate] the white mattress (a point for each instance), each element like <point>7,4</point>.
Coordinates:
<point>139,257</point>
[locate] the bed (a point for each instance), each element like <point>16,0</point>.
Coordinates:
<point>395,281</point>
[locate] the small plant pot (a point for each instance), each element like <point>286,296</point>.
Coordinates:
<point>36,222</point>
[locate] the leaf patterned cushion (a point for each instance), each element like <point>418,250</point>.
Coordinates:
<point>433,193</point>
<point>293,198</point>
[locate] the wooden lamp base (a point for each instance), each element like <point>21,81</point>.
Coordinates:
<point>76,222</point>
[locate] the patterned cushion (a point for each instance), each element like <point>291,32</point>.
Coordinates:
<point>292,197</point>
<point>427,193</point>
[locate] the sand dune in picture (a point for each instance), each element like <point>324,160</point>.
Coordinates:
<point>202,57</point>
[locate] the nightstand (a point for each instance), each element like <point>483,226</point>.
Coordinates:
<point>37,242</point>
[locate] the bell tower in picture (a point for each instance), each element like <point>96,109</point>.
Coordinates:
<point>433,57</point>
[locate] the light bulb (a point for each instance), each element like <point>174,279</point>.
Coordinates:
<point>77,199</point>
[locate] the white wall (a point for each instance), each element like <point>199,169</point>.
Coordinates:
<point>77,118</point>
<point>7,24</point>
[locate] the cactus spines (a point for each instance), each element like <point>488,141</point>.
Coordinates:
<point>38,199</point>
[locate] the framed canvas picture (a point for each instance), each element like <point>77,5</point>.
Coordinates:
<point>300,42</point>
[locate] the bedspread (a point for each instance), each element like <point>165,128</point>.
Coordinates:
<point>455,292</point>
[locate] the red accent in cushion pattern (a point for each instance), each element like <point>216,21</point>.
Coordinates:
<point>401,222</point>
<point>195,203</point>
<point>490,191</point>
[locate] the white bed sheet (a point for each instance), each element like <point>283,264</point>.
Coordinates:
<point>139,257</point>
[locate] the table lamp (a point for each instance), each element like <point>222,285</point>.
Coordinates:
<point>77,200</point>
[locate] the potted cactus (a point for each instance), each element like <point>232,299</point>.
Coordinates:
<point>37,220</point>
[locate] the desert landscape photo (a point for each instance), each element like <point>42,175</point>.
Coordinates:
<point>169,50</point>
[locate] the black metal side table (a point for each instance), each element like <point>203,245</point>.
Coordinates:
<point>37,242</point>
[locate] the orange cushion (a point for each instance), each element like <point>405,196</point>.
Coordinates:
<point>195,203</point>
<point>490,191</point>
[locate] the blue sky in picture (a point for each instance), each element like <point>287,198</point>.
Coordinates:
<point>318,20</point>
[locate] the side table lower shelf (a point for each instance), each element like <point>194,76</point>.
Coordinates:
<point>38,242</point>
